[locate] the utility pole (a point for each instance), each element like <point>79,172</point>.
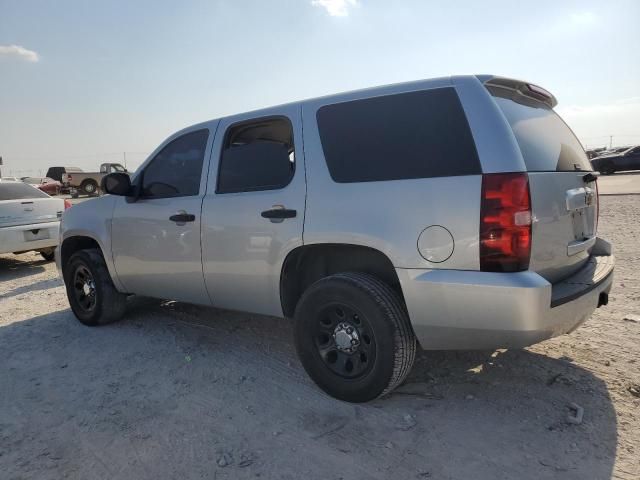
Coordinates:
<point>124,157</point>
<point>610,142</point>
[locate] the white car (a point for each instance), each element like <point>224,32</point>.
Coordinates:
<point>29,219</point>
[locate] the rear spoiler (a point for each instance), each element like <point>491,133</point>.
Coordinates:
<point>522,88</point>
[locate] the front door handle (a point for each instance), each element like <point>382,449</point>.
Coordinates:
<point>278,213</point>
<point>182,218</point>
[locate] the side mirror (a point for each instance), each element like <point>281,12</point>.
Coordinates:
<point>116,184</point>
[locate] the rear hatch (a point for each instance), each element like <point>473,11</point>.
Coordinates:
<point>22,204</point>
<point>563,192</point>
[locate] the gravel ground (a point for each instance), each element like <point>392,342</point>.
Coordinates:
<point>178,391</point>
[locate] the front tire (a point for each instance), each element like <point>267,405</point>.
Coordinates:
<point>353,336</point>
<point>92,296</point>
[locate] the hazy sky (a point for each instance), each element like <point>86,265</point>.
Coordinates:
<point>83,81</point>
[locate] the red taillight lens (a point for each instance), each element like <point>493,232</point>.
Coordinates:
<point>597,207</point>
<point>505,222</point>
<point>67,204</point>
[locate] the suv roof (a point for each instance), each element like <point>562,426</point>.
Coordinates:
<point>524,88</point>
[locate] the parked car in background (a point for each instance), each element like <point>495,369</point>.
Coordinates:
<point>57,172</point>
<point>47,185</point>
<point>595,152</point>
<point>29,219</point>
<point>88,183</point>
<point>626,160</point>
<point>390,227</point>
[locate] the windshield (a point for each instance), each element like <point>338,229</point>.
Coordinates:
<point>19,191</point>
<point>546,142</point>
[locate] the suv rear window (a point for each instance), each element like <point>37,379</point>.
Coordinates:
<point>408,135</point>
<point>19,191</point>
<point>546,142</point>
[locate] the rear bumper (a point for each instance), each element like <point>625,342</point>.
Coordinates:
<point>452,309</point>
<point>24,238</point>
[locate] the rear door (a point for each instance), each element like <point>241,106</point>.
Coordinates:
<point>156,239</point>
<point>253,213</point>
<point>563,199</point>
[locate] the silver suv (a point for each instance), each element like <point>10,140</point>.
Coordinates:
<point>454,213</point>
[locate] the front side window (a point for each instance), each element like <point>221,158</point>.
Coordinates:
<point>421,134</point>
<point>257,155</point>
<point>176,171</point>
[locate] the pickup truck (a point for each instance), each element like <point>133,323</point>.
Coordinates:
<point>89,182</point>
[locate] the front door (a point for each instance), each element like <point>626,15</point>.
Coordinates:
<point>156,239</point>
<point>253,212</point>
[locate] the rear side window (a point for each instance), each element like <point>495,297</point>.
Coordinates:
<point>177,169</point>
<point>257,155</point>
<point>409,135</point>
<point>19,191</point>
<point>546,142</point>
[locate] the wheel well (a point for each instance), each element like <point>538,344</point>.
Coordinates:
<point>305,265</point>
<point>72,244</point>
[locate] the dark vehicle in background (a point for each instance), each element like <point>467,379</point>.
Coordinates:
<point>56,174</point>
<point>595,152</point>
<point>626,160</point>
<point>88,183</point>
<point>47,185</point>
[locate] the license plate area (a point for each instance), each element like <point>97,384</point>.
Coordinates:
<point>581,204</point>
<point>36,234</point>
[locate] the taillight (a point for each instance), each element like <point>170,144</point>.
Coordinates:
<point>505,222</point>
<point>597,207</point>
<point>67,204</point>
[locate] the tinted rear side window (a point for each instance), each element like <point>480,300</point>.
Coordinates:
<point>409,135</point>
<point>19,191</point>
<point>546,142</point>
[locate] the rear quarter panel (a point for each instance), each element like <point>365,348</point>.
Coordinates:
<point>389,216</point>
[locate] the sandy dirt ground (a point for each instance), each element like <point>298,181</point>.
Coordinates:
<point>178,391</point>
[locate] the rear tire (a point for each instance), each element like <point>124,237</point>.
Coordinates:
<point>48,255</point>
<point>353,336</point>
<point>92,296</point>
<point>90,187</point>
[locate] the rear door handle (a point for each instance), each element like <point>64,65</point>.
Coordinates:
<point>279,213</point>
<point>182,218</point>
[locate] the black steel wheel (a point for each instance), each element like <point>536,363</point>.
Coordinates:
<point>84,288</point>
<point>353,336</point>
<point>345,341</point>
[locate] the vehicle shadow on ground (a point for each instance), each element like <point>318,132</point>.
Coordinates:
<point>174,388</point>
<point>14,267</point>
<point>40,285</point>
